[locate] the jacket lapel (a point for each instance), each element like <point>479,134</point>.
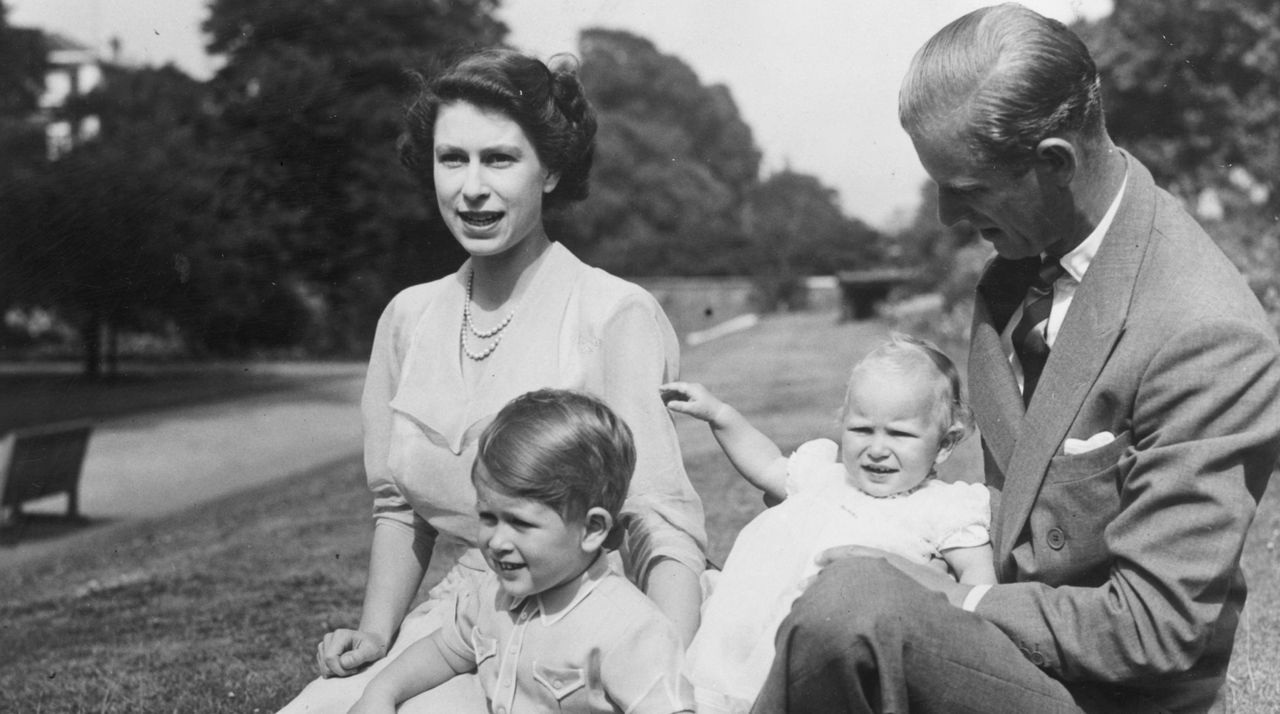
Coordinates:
<point>1093,325</point>
<point>993,391</point>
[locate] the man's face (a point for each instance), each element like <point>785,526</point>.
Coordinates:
<point>1022,215</point>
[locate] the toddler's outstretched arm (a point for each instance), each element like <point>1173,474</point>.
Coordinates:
<point>755,456</point>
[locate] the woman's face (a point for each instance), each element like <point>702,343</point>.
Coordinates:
<point>489,180</point>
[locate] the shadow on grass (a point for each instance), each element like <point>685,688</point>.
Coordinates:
<point>36,527</point>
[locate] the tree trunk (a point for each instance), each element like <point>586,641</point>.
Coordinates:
<point>113,350</point>
<point>92,339</point>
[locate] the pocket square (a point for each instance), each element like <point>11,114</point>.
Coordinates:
<point>1071,447</point>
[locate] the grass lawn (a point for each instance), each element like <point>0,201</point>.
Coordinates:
<point>218,609</point>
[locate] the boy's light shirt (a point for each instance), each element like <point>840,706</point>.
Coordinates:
<point>590,580</point>
<point>608,642</point>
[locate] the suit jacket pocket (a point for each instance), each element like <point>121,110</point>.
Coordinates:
<point>1074,467</point>
<point>1080,496</point>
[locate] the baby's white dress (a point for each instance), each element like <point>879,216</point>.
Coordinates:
<point>774,554</point>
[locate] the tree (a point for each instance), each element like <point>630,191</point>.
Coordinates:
<point>673,169</point>
<point>312,96</point>
<point>797,229</point>
<point>22,65</point>
<point>1192,87</point>
<point>101,234</point>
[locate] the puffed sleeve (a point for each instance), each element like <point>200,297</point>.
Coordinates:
<point>813,464</point>
<point>641,669</point>
<point>962,515</point>
<point>389,344</point>
<point>663,512</point>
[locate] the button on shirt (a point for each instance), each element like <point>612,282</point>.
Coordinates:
<point>1075,263</point>
<point>609,650</point>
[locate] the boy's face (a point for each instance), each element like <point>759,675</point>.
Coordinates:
<point>892,438</point>
<point>529,545</point>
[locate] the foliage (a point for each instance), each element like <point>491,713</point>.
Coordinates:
<point>674,164</point>
<point>1192,87</point>
<point>676,187</point>
<point>311,97</point>
<point>796,228</point>
<point>100,233</point>
<point>948,258</point>
<point>22,63</point>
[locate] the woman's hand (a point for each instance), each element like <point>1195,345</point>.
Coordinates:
<point>692,399</point>
<point>344,652</point>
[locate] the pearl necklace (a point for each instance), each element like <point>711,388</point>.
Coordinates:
<point>468,325</point>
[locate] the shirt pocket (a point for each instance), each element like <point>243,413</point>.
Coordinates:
<point>567,686</point>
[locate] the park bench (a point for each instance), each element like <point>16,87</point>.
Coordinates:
<point>43,461</point>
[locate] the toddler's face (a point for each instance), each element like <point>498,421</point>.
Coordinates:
<point>892,438</point>
<point>528,544</point>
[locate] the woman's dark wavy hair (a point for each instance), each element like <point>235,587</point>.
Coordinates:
<point>1016,77</point>
<point>547,102</point>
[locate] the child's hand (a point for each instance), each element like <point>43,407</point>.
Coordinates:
<point>692,399</point>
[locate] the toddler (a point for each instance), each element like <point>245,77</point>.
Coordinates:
<point>902,416</point>
<point>552,627</point>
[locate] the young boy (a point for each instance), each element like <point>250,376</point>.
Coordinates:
<point>553,627</point>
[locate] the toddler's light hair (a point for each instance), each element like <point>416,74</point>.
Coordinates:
<point>906,354</point>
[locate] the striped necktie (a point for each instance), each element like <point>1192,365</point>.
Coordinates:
<point>1029,334</point>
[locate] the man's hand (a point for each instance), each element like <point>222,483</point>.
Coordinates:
<point>930,577</point>
<point>344,652</point>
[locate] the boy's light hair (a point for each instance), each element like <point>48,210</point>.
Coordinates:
<point>908,354</point>
<point>561,448</point>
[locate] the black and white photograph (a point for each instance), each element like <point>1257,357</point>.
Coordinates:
<point>639,356</point>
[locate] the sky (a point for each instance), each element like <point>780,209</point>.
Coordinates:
<point>816,80</point>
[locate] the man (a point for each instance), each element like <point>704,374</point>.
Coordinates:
<point>1127,389</point>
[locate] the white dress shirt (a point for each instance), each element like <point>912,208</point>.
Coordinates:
<point>1076,263</point>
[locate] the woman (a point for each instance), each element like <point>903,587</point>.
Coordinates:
<point>497,137</point>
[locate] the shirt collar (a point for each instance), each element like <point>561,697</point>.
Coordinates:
<point>586,583</point>
<point>1077,262</point>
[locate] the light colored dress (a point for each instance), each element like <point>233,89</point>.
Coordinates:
<point>610,650</point>
<point>576,327</point>
<point>775,553</point>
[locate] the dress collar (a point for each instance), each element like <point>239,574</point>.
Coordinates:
<point>432,391</point>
